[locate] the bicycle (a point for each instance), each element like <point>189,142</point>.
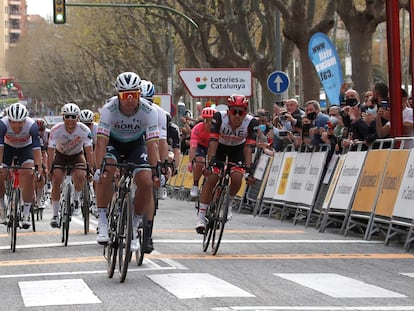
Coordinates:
<point>87,202</point>
<point>65,202</point>
<point>217,210</point>
<point>14,210</point>
<point>120,214</point>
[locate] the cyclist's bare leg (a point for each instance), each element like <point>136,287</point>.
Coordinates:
<point>104,186</point>
<point>26,183</point>
<point>79,178</point>
<point>236,181</point>
<point>3,174</point>
<point>144,199</point>
<point>207,190</point>
<point>198,169</point>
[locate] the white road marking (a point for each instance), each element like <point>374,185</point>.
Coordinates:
<point>197,285</point>
<point>411,275</point>
<point>315,308</point>
<point>338,286</point>
<point>56,292</point>
<point>191,241</point>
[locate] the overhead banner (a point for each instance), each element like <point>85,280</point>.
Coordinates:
<point>325,59</point>
<point>221,82</point>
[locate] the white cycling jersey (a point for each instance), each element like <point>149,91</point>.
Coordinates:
<point>124,129</point>
<point>222,130</point>
<point>70,143</point>
<point>162,121</point>
<point>28,135</point>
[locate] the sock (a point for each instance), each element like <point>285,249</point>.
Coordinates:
<point>26,208</point>
<point>135,220</point>
<point>39,197</point>
<point>76,195</point>
<point>2,203</point>
<point>55,206</point>
<point>202,211</point>
<point>102,211</point>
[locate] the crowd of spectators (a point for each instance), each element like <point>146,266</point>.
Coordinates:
<point>355,123</point>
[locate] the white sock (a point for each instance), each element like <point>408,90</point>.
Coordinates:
<point>55,206</point>
<point>26,208</point>
<point>76,195</point>
<point>102,215</point>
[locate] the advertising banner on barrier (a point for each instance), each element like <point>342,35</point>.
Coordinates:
<point>391,182</point>
<point>325,59</point>
<point>283,180</point>
<point>345,188</point>
<point>370,181</point>
<point>271,184</point>
<point>297,178</point>
<point>404,206</point>
<point>312,178</point>
<point>334,180</point>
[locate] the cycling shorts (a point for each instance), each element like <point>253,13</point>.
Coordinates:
<point>22,155</point>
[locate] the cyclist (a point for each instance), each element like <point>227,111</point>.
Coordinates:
<point>173,138</point>
<point>200,135</point>
<point>67,143</point>
<point>233,134</point>
<point>44,140</point>
<point>147,92</point>
<point>19,138</point>
<point>86,117</point>
<point>128,128</point>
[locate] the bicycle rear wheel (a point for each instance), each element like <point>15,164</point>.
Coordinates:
<point>220,219</point>
<point>86,202</point>
<point>32,215</point>
<point>67,211</point>
<point>14,218</point>
<point>124,237</point>
<point>143,235</point>
<point>111,248</point>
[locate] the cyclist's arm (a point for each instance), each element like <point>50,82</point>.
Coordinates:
<point>153,153</point>
<point>37,153</point>
<point>50,157</point>
<point>100,149</point>
<point>214,136</point>
<point>1,154</point>
<point>163,149</point>
<point>90,157</point>
<point>250,142</point>
<point>37,157</point>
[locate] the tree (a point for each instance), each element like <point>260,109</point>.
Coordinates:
<point>361,25</point>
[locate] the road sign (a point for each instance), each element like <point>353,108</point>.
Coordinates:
<point>214,82</point>
<point>278,82</point>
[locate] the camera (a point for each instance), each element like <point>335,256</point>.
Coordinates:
<point>283,116</point>
<point>385,104</point>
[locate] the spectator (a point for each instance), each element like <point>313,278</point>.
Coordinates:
<point>318,121</point>
<point>359,130</point>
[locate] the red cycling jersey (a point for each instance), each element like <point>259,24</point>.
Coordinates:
<point>200,135</point>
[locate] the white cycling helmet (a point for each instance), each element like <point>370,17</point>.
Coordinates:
<point>147,89</point>
<point>70,109</point>
<point>128,81</point>
<point>17,112</point>
<point>86,116</point>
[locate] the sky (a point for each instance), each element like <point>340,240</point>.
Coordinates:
<point>43,8</point>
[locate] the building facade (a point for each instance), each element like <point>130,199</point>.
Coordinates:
<point>13,19</point>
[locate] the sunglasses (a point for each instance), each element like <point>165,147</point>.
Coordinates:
<point>129,95</point>
<point>240,112</point>
<point>70,116</point>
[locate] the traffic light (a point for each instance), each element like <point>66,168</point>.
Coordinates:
<point>9,84</point>
<point>59,11</point>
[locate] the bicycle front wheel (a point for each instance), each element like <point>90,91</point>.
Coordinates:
<point>86,202</point>
<point>124,237</point>
<point>111,248</point>
<point>67,211</point>
<point>220,217</point>
<point>14,218</point>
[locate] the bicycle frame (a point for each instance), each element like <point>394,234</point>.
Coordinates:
<point>14,204</point>
<point>217,211</point>
<point>120,216</point>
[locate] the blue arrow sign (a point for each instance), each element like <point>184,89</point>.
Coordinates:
<point>278,82</point>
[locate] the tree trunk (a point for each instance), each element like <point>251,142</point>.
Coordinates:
<point>311,83</point>
<point>361,49</point>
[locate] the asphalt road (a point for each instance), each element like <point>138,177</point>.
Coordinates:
<point>262,264</point>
